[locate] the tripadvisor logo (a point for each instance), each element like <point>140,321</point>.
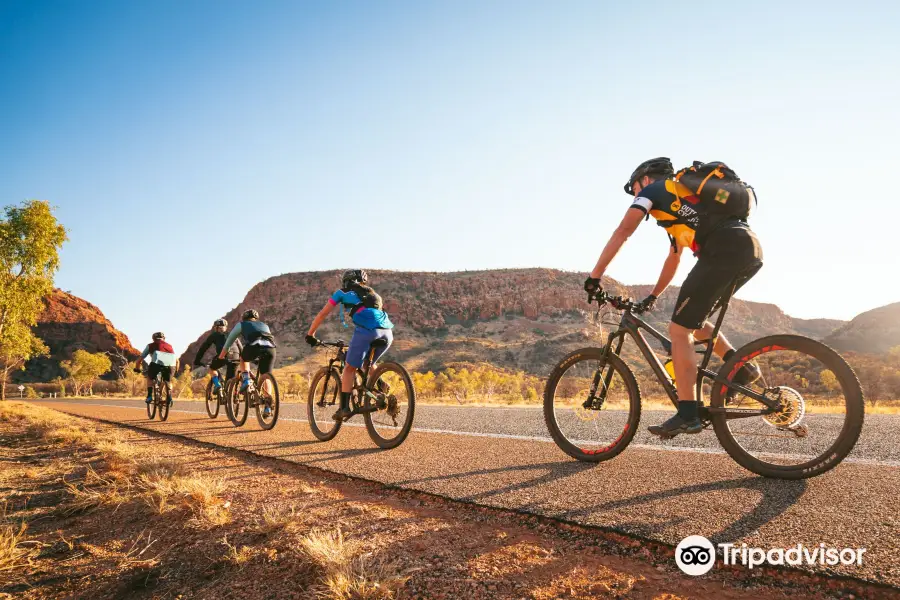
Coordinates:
<point>696,555</point>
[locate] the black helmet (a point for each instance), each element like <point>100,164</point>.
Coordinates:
<point>250,314</point>
<point>220,323</point>
<point>352,276</point>
<point>159,335</point>
<point>658,168</point>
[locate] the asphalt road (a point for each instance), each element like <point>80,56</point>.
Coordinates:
<point>503,457</point>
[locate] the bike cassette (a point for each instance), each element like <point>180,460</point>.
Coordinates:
<point>791,412</point>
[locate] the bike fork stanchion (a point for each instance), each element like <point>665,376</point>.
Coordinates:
<point>607,378</point>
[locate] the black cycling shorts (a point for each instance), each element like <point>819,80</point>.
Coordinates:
<point>731,254</point>
<point>264,354</point>
<point>230,366</point>
<point>155,368</point>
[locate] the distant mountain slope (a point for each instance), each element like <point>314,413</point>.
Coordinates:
<point>874,331</point>
<point>517,318</point>
<point>69,323</point>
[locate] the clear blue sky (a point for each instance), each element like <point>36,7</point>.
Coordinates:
<point>194,148</point>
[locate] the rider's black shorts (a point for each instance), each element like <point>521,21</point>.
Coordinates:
<point>264,354</point>
<point>155,368</point>
<point>730,254</point>
<point>230,366</point>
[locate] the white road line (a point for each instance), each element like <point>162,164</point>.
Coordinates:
<point>530,438</point>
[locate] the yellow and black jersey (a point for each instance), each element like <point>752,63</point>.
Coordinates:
<point>675,207</point>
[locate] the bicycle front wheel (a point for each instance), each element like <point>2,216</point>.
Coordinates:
<point>821,408</point>
<point>396,401</point>
<point>151,409</point>
<point>212,400</point>
<point>269,398</point>
<point>323,401</point>
<point>592,428</point>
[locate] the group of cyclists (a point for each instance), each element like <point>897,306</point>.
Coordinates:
<point>251,340</point>
<point>712,224</point>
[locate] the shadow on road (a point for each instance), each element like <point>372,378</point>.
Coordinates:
<point>776,497</point>
<point>539,474</point>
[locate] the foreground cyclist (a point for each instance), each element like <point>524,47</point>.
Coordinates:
<point>727,252</point>
<point>217,339</point>
<point>258,344</point>
<point>162,361</point>
<point>371,322</point>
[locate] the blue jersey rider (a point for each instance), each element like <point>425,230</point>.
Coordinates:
<point>371,322</point>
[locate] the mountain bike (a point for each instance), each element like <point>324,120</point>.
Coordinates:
<point>385,397</point>
<point>238,402</point>
<point>794,422</point>
<point>158,404</point>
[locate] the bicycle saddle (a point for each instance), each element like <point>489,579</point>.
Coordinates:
<point>379,343</point>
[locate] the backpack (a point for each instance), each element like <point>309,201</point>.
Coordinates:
<point>723,196</point>
<point>368,298</point>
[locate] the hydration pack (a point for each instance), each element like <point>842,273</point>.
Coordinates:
<point>367,296</point>
<point>723,196</point>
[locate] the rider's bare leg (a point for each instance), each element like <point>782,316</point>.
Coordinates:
<point>684,360</point>
<point>722,343</point>
<point>348,377</point>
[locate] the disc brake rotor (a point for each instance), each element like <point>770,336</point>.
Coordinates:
<point>793,409</point>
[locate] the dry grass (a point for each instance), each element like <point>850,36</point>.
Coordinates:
<point>12,539</point>
<point>348,573</point>
<point>162,482</point>
<point>97,490</point>
<point>237,556</point>
<point>118,454</point>
<point>281,517</point>
<point>166,485</point>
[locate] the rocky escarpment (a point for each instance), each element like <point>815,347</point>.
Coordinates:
<point>69,323</point>
<point>517,318</point>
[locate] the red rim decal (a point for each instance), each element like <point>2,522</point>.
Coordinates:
<point>610,447</point>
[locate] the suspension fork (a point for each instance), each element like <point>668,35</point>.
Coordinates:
<point>619,341</point>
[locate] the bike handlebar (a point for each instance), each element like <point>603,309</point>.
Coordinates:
<point>617,302</point>
<point>336,344</point>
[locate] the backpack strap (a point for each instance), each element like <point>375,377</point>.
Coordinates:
<point>717,172</point>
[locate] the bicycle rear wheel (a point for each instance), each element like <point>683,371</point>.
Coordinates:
<point>212,400</point>
<point>235,402</point>
<point>396,400</point>
<point>821,414</point>
<point>267,388</point>
<point>151,409</point>
<point>324,396</point>
<point>162,405</point>
<point>580,427</point>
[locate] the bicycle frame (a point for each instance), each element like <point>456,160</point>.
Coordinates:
<point>341,358</point>
<point>632,325</point>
